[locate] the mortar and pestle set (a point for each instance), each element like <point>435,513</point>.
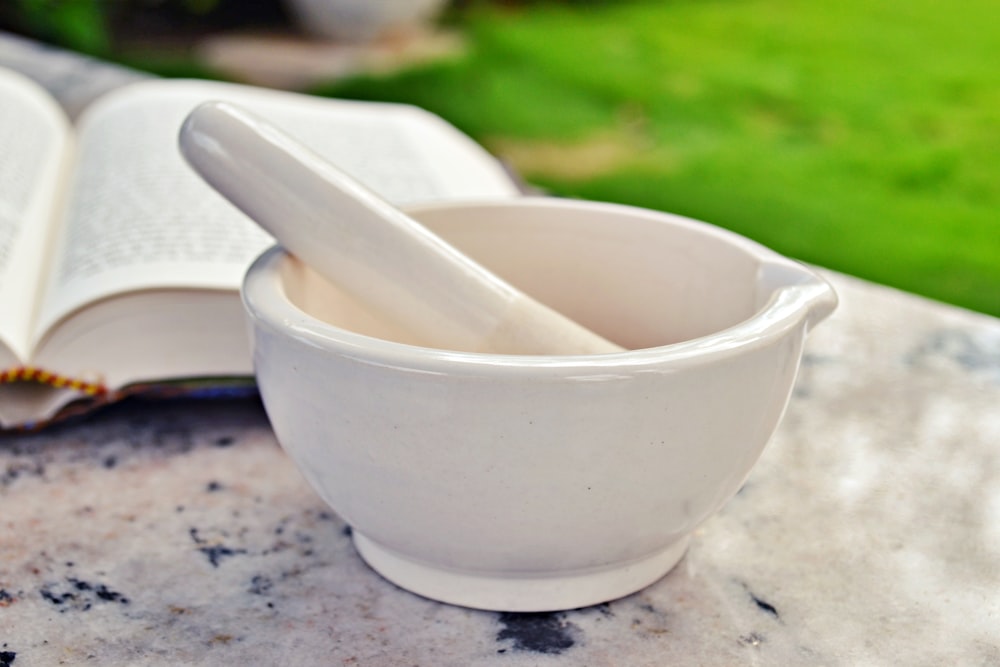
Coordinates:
<point>487,450</point>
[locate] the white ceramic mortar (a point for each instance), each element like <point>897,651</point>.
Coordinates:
<point>529,483</point>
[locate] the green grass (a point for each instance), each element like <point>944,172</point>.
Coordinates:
<point>862,136</point>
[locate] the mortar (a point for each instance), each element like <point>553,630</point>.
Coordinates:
<point>540,482</point>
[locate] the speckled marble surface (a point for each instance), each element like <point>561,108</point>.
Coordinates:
<point>869,533</point>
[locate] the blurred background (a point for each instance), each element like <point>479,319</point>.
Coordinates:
<point>863,136</point>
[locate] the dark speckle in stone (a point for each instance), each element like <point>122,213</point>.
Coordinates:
<point>54,598</point>
<point>765,606</point>
<point>7,658</point>
<point>604,609</point>
<point>546,633</point>
<point>79,595</point>
<point>215,554</point>
<point>31,467</point>
<point>110,462</point>
<point>213,486</point>
<point>260,585</point>
<point>108,595</point>
<point>348,531</point>
<point>224,441</point>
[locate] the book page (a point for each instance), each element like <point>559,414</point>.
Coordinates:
<point>34,149</point>
<point>139,218</point>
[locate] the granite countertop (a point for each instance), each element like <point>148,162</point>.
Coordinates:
<point>869,533</point>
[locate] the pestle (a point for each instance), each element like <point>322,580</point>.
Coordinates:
<point>368,247</point>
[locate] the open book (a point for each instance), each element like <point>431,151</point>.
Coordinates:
<point>120,268</point>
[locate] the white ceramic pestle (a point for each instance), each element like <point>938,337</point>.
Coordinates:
<point>367,246</point>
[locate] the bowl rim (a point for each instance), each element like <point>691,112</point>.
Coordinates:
<point>268,306</point>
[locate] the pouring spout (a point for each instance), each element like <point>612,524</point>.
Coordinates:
<point>810,291</point>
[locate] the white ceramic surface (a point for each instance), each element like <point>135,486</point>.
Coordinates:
<point>527,483</point>
<point>365,245</point>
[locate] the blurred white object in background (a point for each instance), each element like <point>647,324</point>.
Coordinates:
<point>363,20</point>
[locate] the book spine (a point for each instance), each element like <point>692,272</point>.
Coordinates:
<point>42,376</point>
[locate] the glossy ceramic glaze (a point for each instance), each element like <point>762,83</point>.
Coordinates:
<point>366,246</point>
<point>528,483</point>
